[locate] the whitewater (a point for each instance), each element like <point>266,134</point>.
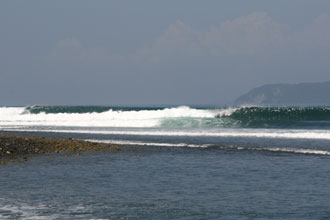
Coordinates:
<point>20,116</point>
<point>178,126</point>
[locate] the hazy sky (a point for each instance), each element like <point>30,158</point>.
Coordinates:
<point>157,52</point>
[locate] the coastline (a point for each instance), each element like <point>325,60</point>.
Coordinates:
<point>20,147</point>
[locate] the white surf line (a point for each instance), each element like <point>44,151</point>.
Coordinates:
<point>284,150</point>
<point>123,142</point>
<point>300,151</point>
<point>287,134</point>
<point>272,149</point>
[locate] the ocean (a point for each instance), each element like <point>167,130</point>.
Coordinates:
<point>183,163</point>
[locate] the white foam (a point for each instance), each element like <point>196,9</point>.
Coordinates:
<point>10,116</point>
<point>248,133</point>
<point>272,149</point>
<point>285,150</point>
<point>253,133</point>
<point>11,111</point>
<point>126,142</point>
<point>25,211</point>
<point>19,210</point>
<point>300,151</point>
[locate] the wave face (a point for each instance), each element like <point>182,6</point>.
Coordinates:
<point>282,113</point>
<point>260,117</point>
<point>171,118</point>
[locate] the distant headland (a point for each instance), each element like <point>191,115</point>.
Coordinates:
<point>287,94</point>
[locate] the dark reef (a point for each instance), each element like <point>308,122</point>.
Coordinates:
<point>19,148</point>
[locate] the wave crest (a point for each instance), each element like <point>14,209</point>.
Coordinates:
<point>109,118</point>
<point>176,117</point>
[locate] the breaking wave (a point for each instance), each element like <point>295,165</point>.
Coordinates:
<point>174,117</point>
<point>109,118</point>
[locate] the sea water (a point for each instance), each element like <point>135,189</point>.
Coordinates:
<point>178,163</point>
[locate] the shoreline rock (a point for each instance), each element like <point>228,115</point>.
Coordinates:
<point>19,148</point>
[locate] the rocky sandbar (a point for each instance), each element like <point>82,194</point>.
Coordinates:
<point>14,147</point>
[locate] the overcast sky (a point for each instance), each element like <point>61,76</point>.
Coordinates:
<point>157,52</point>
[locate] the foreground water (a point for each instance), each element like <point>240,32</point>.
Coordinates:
<point>168,183</point>
<point>182,163</point>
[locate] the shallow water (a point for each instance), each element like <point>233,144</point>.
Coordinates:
<point>168,183</point>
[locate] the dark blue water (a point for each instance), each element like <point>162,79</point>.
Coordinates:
<point>168,183</point>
